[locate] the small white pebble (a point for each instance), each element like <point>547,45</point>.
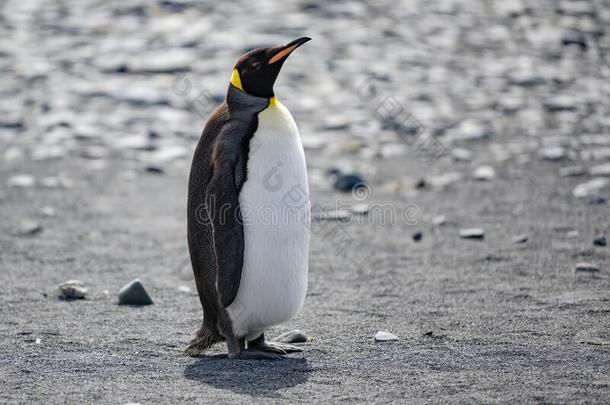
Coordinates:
<point>461,155</point>
<point>590,188</point>
<point>13,154</point>
<point>439,220</point>
<point>586,267</point>
<point>472,233</point>
<point>48,211</point>
<point>383,336</point>
<point>22,180</point>
<point>360,209</point>
<point>484,173</point>
<point>184,289</point>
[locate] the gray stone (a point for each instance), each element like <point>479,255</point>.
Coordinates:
<point>598,201</point>
<point>48,152</point>
<point>553,153</point>
<point>11,121</point>
<point>85,132</point>
<point>586,267</point>
<point>444,180</point>
<point>336,122</point>
<point>348,182</point>
<point>525,78</point>
<point>576,8</point>
<point>134,293</point>
<point>136,142</point>
<point>154,169</point>
<point>72,290</point>
<point>600,170</point>
<point>574,38</point>
<point>95,152</point>
<point>166,154</point>
<point>461,155</point>
<point>510,8</point>
<point>13,154</point>
<point>560,103</point>
<point>572,171</point>
<point>294,336</point>
<point>521,238</point>
<point>473,130</point>
<point>28,227</point>
<point>21,180</point>
<point>393,149</point>
<point>590,188</point>
<point>472,233</point>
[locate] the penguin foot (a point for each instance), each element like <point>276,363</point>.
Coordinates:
<point>282,348</point>
<point>193,350</point>
<point>272,347</point>
<point>251,354</point>
<point>202,341</point>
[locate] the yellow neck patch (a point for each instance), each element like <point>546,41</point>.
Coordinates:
<point>236,80</point>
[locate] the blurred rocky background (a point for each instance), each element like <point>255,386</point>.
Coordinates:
<point>485,124</point>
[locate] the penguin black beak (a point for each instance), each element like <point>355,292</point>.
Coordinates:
<point>281,52</point>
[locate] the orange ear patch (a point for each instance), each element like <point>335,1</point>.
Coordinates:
<point>281,54</point>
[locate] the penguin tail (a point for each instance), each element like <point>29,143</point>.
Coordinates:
<point>204,339</point>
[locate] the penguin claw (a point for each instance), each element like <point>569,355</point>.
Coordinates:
<point>283,347</point>
<point>268,348</point>
<point>192,351</point>
<point>255,355</point>
<point>202,341</point>
<point>275,347</point>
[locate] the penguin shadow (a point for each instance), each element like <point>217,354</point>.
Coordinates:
<point>258,378</point>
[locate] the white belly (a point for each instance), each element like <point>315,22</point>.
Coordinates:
<point>274,202</point>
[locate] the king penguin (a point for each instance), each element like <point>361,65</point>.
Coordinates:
<point>248,213</point>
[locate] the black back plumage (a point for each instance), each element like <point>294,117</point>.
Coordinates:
<point>219,170</point>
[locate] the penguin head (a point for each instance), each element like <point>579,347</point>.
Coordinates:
<point>256,71</point>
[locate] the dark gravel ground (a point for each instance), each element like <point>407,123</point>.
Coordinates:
<point>522,88</point>
<point>479,321</point>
